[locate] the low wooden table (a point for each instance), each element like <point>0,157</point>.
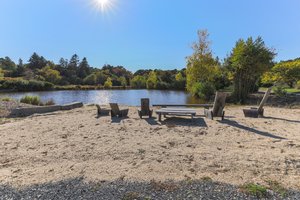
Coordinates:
<point>176,111</point>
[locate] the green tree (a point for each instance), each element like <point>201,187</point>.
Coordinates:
<point>50,75</point>
<point>84,68</point>
<point>287,72</point>
<point>138,82</point>
<point>248,61</point>
<point>201,66</point>
<point>108,83</point>
<point>36,62</point>
<point>152,80</point>
<point>90,79</point>
<point>122,81</point>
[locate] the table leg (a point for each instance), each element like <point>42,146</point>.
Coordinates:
<point>159,117</point>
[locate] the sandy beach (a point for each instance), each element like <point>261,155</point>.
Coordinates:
<point>71,144</point>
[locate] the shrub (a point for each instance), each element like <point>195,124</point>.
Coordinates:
<point>203,90</point>
<point>279,91</point>
<point>24,85</point>
<point>298,85</point>
<point>33,100</point>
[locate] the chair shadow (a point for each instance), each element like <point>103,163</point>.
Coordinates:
<point>118,119</point>
<point>262,133</point>
<point>282,119</point>
<point>151,121</point>
<point>177,121</point>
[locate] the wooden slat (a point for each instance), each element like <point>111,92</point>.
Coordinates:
<point>183,105</point>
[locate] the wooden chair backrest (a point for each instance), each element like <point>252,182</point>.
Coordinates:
<point>219,104</point>
<point>265,98</point>
<point>145,105</point>
<point>114,107</point>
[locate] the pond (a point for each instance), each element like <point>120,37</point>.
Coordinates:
<point>125,97</point>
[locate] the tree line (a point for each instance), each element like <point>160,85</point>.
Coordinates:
<point>249,65</point>
<point>39,70</point>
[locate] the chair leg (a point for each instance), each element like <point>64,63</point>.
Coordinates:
<point>159,117</point>
<point>223,115</point>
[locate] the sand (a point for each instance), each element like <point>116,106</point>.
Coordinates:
<point>70,144</point>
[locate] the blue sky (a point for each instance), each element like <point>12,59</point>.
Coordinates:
<point>143,33</point>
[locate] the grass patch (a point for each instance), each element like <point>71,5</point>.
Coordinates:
<point>292,90</point>
<point>33,100</point>
<point>254,189</point>
<point>7,99</point>
<point>277,187</point>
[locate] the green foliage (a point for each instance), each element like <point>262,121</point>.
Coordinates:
<point>298,85</point>
<point>50,75</point>
<point>152,80</point>
<point>138,82</point>
<point>287,72</point>
<point>7,64</point>
<point>33,100</point>
<point>1,73</point>
<point>108,83</point>
<point>279,91</point>
<point>203,90</point>
<point>123,81</point>
<point>202,68</point>
<point>25,85</point>
<point>248,61</point>
<point>90,79</point>
<point>255,190</point>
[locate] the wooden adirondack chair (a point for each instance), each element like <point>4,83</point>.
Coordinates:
<point>145,108</point>
<point>116,112</point>
<point>102,111</point>
<point>258,112</point>
<point>218,106</point>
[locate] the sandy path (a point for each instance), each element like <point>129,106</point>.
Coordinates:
<point>72,144</point>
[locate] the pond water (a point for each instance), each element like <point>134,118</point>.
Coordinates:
<point>125,97</point>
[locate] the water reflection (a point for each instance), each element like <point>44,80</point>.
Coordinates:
<point>125,97</point>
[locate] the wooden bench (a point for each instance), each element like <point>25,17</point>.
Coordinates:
<point>176,111</point>
<point>184,105</point>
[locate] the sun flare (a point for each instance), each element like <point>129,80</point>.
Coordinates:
<point>102,4</point>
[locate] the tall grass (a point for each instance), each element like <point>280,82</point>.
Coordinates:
<point>33,100</point>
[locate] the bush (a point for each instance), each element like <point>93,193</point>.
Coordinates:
<point>203,90</point>
<point>279,91</point>
<point>33,100</point>
<point>24,85</point>
<point>298,85</point>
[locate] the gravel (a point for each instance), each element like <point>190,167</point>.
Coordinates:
<point>78,189</point>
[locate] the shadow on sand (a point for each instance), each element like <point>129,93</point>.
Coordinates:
<point>179,121</point>
<point>282,119</point>
<point>118,119</point>
<point>262,133</point>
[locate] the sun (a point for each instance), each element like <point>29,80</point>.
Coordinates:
<point>102,4</point>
